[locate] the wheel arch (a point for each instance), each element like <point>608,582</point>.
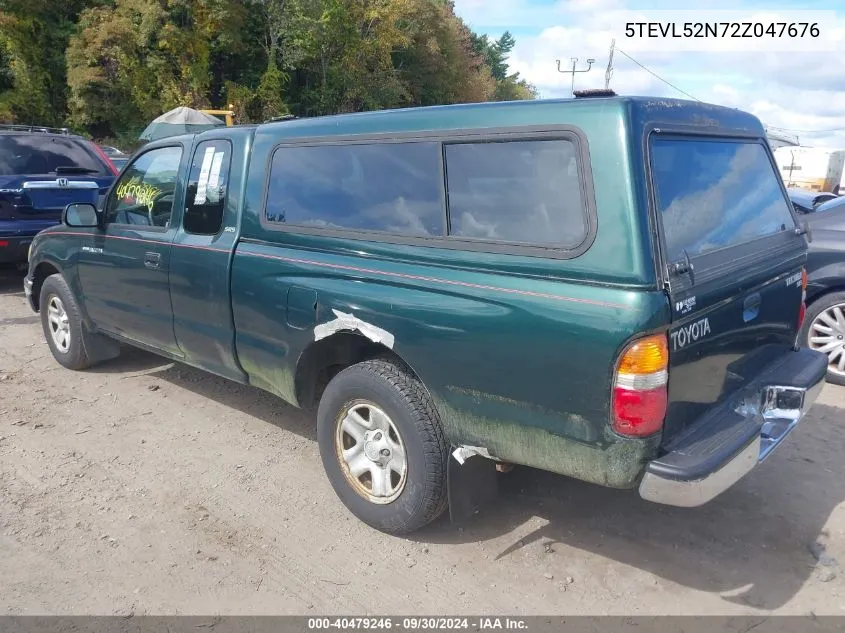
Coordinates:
<point>43,270</point>
<point>322,360</point>
<point>827,289</point>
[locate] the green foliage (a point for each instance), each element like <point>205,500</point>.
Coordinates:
<point>110,66</point>
<point>509,87</point>
<point>269,93</point>
<point>34,36</point>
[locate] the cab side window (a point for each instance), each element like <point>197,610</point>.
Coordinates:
<point>207,186</point>
<point>144,194</point>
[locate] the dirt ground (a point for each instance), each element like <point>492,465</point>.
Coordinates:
<point>147,487</point>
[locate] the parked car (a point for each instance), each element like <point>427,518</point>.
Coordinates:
<point>824,327</point>
<point>116,156</point>
<point>41,171</point>
<point>452,287</point>
<point>830,205</point>
<point>119,161</point>
<point>808,201</point>
<point>108,150</point>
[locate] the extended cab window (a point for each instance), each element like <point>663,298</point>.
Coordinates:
<point>516,191</point>
<point>144,193</point>
<point>207,186</point>
<point>392,187</point>
<point>714,194</point>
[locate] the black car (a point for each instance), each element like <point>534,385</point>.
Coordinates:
<point>808,201</point>
<point>42,170</point>
<point>824,326</point>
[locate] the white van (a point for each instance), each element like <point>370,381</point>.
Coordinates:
<point>811,168</point>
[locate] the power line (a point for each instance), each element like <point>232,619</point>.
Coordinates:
<point>789,129</point>
<point>648,70</point>
<point>684,92</point>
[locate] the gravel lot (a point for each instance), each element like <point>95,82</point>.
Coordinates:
<point>147,487</point>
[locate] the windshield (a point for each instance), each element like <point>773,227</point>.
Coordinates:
<point>714,194</point>
<point>28,154</point>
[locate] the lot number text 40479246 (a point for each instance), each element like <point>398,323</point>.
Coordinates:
<point>417,623</point>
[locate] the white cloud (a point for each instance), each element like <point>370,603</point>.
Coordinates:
<point>795,90</point>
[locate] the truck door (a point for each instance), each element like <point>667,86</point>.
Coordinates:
<point>201,257</point>
<point>123,270</point>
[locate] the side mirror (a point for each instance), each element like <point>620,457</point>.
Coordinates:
<point>82,215</point>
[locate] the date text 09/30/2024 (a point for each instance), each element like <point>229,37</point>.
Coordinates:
<point>417,623</point>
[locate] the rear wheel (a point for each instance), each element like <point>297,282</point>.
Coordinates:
<point>824,331</point>
<point>383,447</point>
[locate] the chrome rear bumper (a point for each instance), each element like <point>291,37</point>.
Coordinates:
<point>769,412</point>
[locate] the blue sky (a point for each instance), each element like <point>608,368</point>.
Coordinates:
<point>798,90</point>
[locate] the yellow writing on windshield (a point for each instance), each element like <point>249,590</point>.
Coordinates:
<point>136,192</point>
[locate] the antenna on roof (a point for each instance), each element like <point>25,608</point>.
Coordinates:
<point>572,72</point>
<point>609,72</point>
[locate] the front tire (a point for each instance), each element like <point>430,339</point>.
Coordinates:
<point>383,447</point>
<point>824,331</point>
<point>62,324</point>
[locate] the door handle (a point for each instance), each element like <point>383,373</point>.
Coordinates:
<point>152,260</point>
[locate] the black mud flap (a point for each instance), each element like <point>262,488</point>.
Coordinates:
<point>472,486</point>
<point>100,348</point>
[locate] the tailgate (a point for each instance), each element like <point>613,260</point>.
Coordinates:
<point>53,195</point>
<point>734,261</point>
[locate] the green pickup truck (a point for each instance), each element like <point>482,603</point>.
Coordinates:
<point>604,287</point>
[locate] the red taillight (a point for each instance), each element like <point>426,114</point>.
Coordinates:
<point>106,159</point>
<point>3,243</point>
<point>638,413</point>
<point>802,313</point>
<point>640,395</point>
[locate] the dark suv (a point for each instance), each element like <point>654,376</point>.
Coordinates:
<point>41,171</point>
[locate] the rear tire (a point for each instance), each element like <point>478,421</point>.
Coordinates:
<point>64,330</point>
<point>383,447</point>
<point>824,330</point>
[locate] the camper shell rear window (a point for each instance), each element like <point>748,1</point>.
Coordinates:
<point>715,193</point>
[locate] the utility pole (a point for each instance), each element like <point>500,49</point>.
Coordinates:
<point>609,72</point>
<point>572,72</point>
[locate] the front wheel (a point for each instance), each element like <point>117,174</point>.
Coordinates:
<point>824,331</point>
<point>72,346</point>
<point>383,447</point>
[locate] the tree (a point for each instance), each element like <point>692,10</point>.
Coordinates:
<point>109,66</point>
<point>509,87</point>
<point>440,65</point>
<point>148,56</point>
<point>513,88</point>
<point>34,36</point>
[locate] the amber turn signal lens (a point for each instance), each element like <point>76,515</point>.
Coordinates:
<point>646,356</point>
<point>803,278</point>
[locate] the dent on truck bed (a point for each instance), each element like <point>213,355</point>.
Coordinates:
<point>613,461</point>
